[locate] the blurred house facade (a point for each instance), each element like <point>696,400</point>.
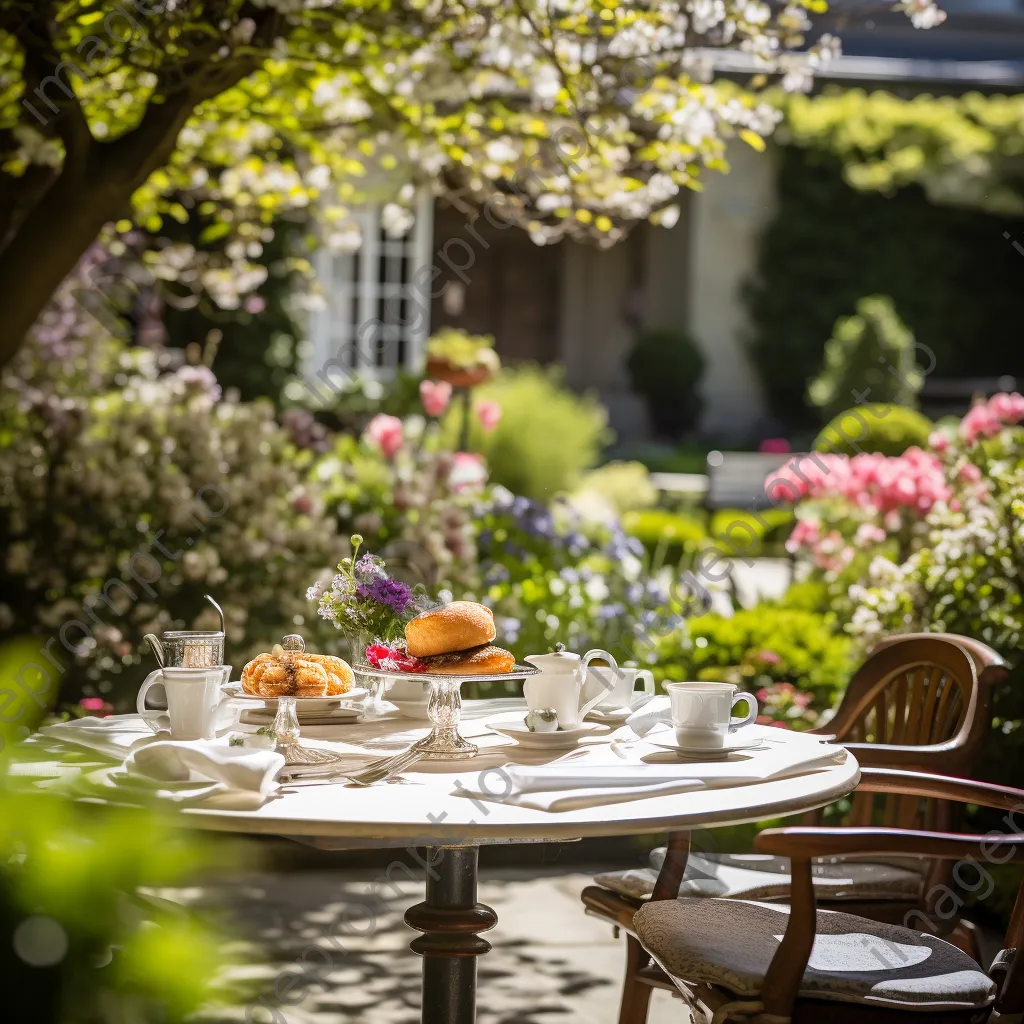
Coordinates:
<point>582,307</point>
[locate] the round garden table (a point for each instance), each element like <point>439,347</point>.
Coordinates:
<point>428,810</point>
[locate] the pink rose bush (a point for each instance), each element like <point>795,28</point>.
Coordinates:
<point>986,419</point>
<point>914,481</point>
<point>931,540</point>
<point>846,505</point>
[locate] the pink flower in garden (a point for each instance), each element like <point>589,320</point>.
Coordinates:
<point>386,433</point>
<point>874,482</point>
<point>868,534</point>
<point>468,473</point>
<point>1008,408</point>
<point>970,473</point>
<point>92,703</point>
<point>435,395</point>
<point>489,415</point>
<point>806,531</point>
<point>938,441</point>
<point>981,421</point>
<point>768,657</point>
<point>774,445</point>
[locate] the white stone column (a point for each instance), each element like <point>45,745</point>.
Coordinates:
<point>727,219</point>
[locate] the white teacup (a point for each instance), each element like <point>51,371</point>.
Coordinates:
<point>702,712</point>
<point>197,709</point>
<point>615,686</point>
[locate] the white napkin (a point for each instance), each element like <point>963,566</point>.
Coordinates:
<point>239,778</point>
<point>208,771</point>
<point>114,737</point>
<point>657,711</point>
<point>600,777</point>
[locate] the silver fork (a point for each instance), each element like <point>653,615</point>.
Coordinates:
<point>392,766</point>
<point>376,771</point>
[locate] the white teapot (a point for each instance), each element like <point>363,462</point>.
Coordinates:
<point>559,684</point>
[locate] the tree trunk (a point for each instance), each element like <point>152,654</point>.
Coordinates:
<point>48,244</point>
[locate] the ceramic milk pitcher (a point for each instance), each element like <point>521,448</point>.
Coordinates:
<point>559,684</point>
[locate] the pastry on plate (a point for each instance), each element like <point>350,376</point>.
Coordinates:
<point>284,673</point>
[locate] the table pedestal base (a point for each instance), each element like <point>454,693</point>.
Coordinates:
<point>450,919</point>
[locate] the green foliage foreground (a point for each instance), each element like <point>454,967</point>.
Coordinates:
<point>82,938</point>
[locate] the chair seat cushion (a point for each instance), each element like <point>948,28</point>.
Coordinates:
<point>730,943</point>
<point>757,876</point>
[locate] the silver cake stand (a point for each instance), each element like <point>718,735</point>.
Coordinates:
<point>444,706</point>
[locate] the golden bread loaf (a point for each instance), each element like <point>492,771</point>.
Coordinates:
<point>452,627</point>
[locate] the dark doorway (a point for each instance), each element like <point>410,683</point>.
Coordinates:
<point>512,287</point>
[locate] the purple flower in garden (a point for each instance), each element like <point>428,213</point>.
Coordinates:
<point>384,590</point>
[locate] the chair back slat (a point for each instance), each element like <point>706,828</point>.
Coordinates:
<point>916,691</point>
<point>899,691</point>
<point>931,698</point>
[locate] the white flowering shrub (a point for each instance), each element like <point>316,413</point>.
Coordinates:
<point>129,488</point>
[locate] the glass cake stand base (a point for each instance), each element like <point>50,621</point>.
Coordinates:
<point>444,707</point>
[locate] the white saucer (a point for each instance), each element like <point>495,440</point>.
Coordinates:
<point>318,705</point>
<point>732,745</point>
<point>562,739</point>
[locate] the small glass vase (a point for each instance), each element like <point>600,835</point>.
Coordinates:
<point>371,703</point>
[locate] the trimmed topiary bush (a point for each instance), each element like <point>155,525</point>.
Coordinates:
<point>887,429</point>
<point>869,356</point>
<point>666,367</point>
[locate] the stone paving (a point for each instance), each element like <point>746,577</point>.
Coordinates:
<point>549,963</point>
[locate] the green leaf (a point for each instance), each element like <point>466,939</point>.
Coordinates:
<point>213,232</point>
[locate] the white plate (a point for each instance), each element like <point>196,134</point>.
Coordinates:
<point>323,716</point>
<point>732,745</point>
<point>409,708</point>
<point>318,704</point>
<point>563,739</point>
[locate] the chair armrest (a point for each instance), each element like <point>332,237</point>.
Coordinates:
<point>804,841</point>
<point>943,787</point>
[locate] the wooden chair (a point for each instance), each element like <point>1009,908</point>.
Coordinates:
<point>919,701</point>
<point>725,957</point>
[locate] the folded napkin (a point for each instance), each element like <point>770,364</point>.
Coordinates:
<point>210,772</point>
<point>599,776</point>
<point>236,778</point>
<point>114,737</point>
<point>657,711</point>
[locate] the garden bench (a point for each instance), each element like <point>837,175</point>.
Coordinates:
<point>736,479</point>
<point>943,396</point>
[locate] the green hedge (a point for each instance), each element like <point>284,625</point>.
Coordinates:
<point>812,653</point>
<point>951,274</point>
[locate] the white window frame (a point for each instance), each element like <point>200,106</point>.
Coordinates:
<point>353,297</point>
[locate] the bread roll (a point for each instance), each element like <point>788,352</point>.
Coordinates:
<point>452,627</point>
<point>477,661</point>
